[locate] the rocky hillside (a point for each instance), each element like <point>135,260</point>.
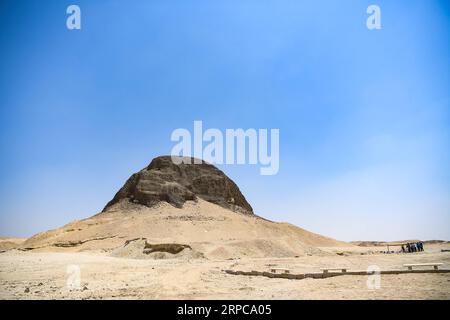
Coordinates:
<point>173,183</point>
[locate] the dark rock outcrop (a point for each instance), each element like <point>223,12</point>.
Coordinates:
<point>163,180</point>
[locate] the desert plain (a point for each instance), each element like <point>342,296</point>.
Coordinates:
<point>173,231</point>
<point>43,275</point>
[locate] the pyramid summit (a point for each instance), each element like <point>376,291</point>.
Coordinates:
<point>176,182</point>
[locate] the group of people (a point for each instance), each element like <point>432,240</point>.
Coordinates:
<point>412,247</point>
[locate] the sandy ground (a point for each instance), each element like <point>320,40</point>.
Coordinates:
<point>112,264</point>
<point>43,275</point>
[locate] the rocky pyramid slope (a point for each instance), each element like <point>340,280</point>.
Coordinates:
<point>163,180</point>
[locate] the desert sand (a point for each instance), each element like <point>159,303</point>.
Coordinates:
<point>171,232</point>
<point>105,277</point>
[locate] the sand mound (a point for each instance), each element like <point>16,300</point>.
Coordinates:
<point>10,243</point>
<point>208,225</point>
<point>203,226</point>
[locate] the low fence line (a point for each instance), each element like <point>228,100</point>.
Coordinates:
<point>321,275</point>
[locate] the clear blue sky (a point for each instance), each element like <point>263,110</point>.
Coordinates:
<point>363,115</point>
